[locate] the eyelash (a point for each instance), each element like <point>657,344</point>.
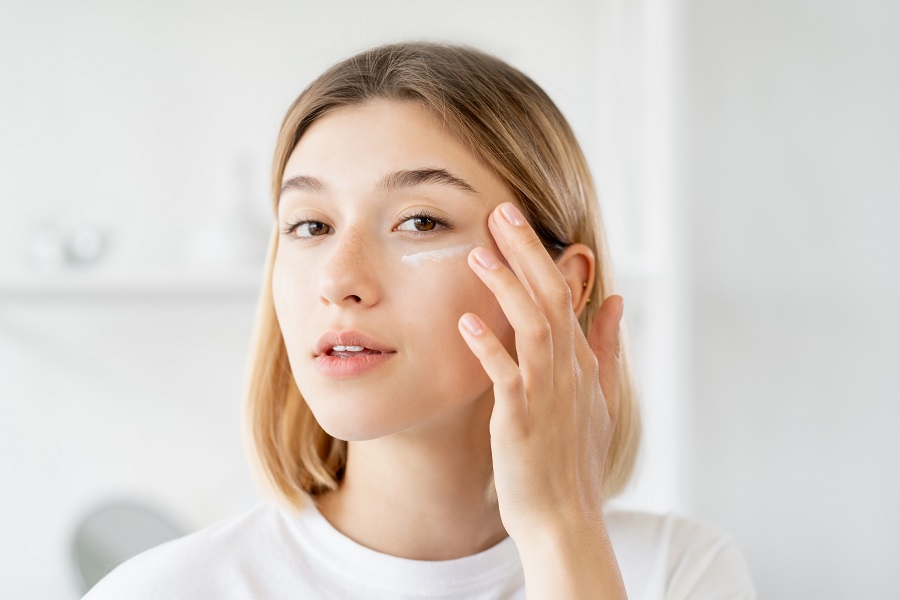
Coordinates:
<point>419,214</point>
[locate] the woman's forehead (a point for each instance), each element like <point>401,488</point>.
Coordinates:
<point>384,144</point>
<point>380,129</point>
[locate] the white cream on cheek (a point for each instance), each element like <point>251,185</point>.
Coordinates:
<point>433,256</point>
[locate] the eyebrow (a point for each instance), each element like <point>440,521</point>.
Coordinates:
<point>392,181</point>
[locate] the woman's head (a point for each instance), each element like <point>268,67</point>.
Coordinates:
<point>385,171</point>
<point>378,207</point>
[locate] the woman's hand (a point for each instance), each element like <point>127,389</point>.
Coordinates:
<point>555,410</point>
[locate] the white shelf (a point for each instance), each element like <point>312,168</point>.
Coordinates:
<point>237,283</point>
<point>185,284</point>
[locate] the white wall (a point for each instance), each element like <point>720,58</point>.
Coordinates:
<point>792,139</point>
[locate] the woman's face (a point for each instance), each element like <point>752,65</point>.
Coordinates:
<point>363,262</point>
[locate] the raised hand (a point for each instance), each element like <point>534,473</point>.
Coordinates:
<point>554,410</point>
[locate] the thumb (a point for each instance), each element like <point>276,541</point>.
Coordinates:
<point>604,341</point>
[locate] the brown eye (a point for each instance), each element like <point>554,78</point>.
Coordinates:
<point>426,222</point>
<point>300,229</point>
<point>314,227</point>
<point>423,224</point>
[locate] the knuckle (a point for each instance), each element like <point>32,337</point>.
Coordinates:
<point>562,295</point>
<point>512,380</point>
<point>539,330</point>
<point>533,243</point>
<point>495,351</point>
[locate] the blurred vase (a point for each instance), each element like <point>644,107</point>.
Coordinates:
<point>225,243</point>
<point>230,236</point>
<point>85,245</point>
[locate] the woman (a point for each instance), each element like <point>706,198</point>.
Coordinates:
<point>436,396</point>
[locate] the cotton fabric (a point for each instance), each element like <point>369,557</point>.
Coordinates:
<point>280,553</point>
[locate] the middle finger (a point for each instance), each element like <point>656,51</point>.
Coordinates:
<point>533,335</point>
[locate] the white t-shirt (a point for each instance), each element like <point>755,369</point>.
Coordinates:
<point>277,553</point>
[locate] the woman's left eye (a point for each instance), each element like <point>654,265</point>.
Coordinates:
<point>424,223</point>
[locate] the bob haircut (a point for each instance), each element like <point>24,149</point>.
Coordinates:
<point>514,127</point>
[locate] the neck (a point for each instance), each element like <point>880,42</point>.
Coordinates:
<point>420,494</point>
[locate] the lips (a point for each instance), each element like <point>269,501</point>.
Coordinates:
<point>351,337</point>
<point>348,353</point>
<point>335,366</point>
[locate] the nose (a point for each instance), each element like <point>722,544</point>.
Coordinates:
<point>349,274</point>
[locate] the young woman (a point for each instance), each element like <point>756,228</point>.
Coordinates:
<point>437,396</point>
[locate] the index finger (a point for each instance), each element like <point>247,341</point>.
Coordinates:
<point>531,263</point>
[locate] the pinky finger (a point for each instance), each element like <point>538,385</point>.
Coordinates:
<point>510,407</point>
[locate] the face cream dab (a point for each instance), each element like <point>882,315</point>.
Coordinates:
<point>432,256</point>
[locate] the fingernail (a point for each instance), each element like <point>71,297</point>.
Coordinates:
<point>485,258</point>
<point>622,309</point>
<point>471,324</point>
<point>512,214</point>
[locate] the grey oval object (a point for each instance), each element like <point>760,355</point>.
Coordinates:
<point>114,532</point>
<point>85,245</point>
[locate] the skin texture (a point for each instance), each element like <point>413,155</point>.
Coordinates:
<point>427,429</point>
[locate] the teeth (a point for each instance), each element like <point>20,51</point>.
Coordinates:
<point>348,348</point>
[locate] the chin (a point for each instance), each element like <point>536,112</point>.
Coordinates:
<point>353,432</point>
<point>377,411</point>
<point>353,425</point>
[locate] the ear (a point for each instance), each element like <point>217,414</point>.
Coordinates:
<point>578,265</point>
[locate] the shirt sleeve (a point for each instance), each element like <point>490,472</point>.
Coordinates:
<point>706,564</point>
<point>128,581</point>
<point>160,573</point>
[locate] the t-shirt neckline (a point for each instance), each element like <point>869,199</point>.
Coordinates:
<point>389,573</point>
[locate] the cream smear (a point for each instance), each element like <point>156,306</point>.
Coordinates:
<point>433,256</point>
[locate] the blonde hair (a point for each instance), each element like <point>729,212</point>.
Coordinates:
<point>512,125</point>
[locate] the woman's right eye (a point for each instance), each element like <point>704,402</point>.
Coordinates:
<point>313,228</point>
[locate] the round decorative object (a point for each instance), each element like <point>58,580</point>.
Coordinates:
<point>111,534</point>
<point>85,245</point>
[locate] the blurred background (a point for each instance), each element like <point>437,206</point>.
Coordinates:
<point>746,155</point>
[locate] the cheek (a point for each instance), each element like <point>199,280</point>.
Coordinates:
<point>443,293</point>
<point>426,298</point>
<point>290,291</point>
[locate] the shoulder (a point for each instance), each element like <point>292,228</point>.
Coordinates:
<point>199,565</point>
<point>674,557</point>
